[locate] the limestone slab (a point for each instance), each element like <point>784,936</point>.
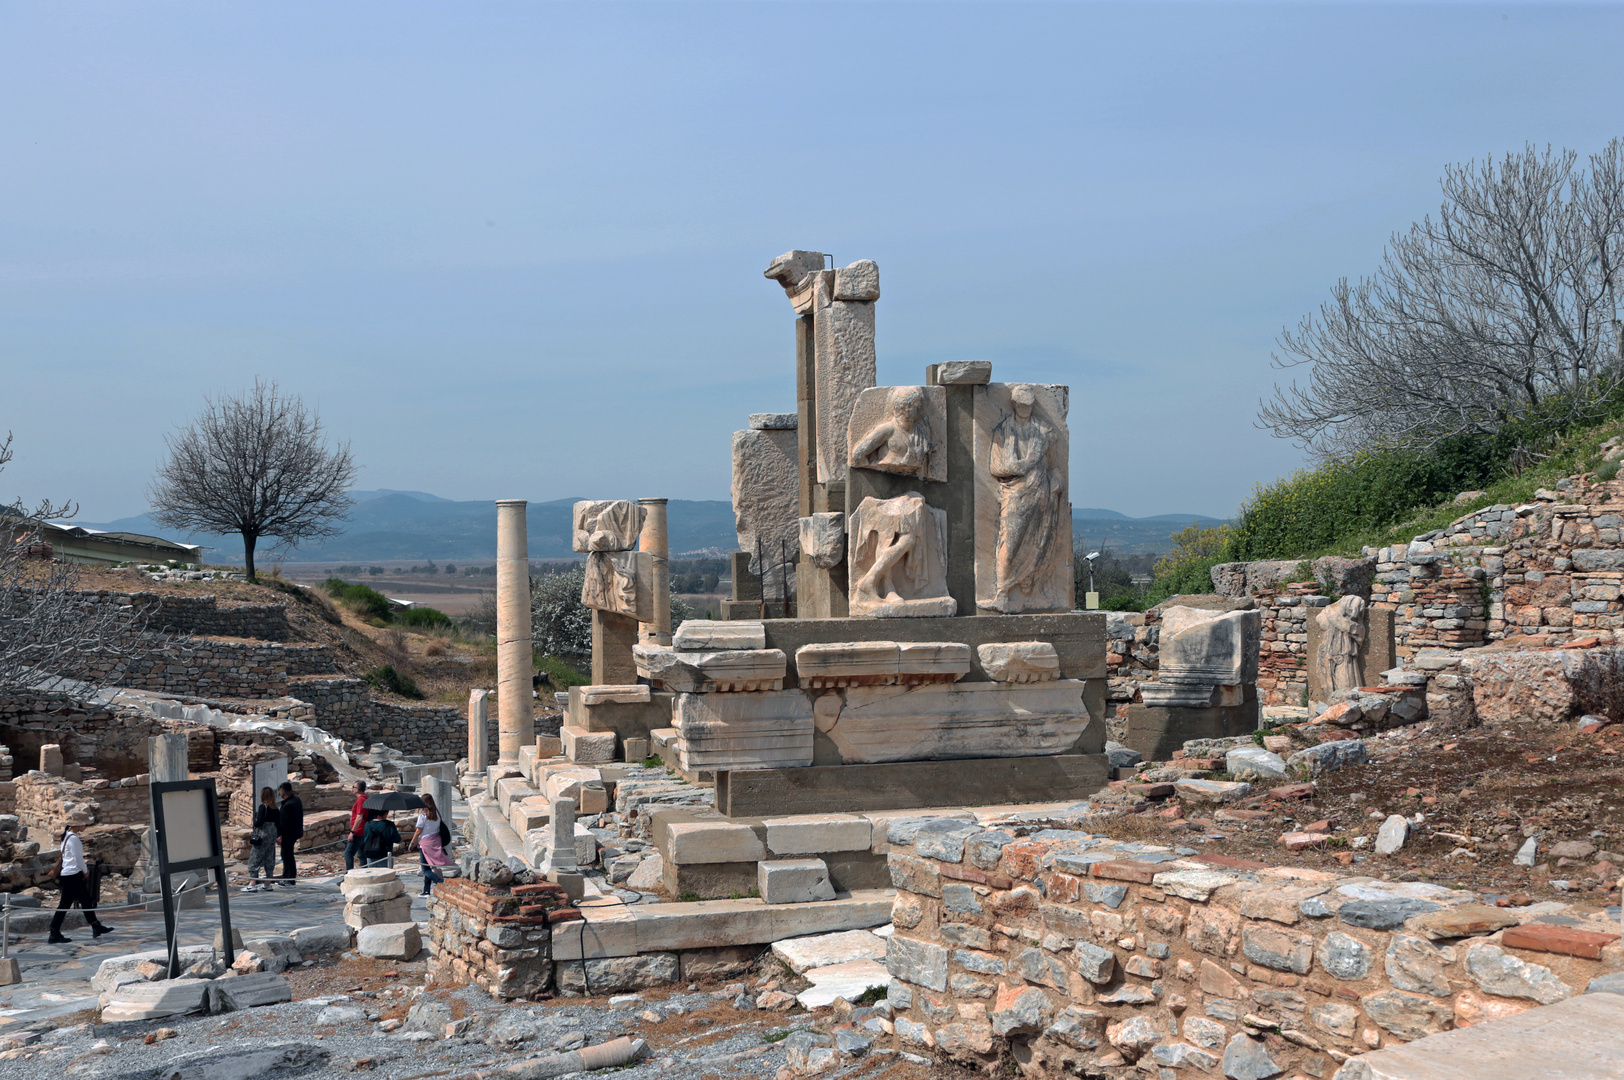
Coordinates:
<point>823,539</point>
<point>766,498</point>
<point>712,672</point>
<point>825,950</point>
<point>743,730</point>
<point>1022,498</point>
<point>959,720</point>
<point>587,747</point>
<point>390,941</point>
<point>964,373</point>
<point>692,842</point>
<point>850,980</point>
<point>793,881</point>
<point>625,694</point>
<point>773,421</point>
<point>1019,661</point>
<point>713,923</point>
<point>1578,1039</point>
<point>711,635</point>
<point>815,834</point>
<point>848,663</point>
<point>152,1000</point>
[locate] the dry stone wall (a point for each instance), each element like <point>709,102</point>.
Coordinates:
<point>1075,954</point>
<point>345,707</point>
<point>201,615</point>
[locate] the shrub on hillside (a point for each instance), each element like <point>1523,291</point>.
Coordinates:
<point>423,618</point>
<point>386,678</point>
<point>364,601</point>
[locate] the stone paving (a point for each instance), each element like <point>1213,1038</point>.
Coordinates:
<point>56,978</point>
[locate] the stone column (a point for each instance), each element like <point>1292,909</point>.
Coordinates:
<point>515,694</point>
<point>479,737</point>
<point>166,763</point>
<point>653,539</point>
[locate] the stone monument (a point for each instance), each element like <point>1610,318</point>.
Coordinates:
<point>1206,683</point>
<point>1350,643</point>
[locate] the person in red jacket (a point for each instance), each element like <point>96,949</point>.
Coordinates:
<point>358,824</point>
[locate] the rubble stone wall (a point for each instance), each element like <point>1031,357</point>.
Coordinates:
<point>1067,958</point>
<point>344,706</point>
<point>201,615</point>
<point>496,937</point>
<point>114,741</point>
<point>202,667</point>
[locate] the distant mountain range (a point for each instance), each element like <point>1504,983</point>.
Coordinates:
<point>392,526</point>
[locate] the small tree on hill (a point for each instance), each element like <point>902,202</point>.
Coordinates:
<point>1504,307</point>
<point>256,465</point>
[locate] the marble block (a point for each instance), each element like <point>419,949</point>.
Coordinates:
<point>964,373</point>
<point>848,663</point>
<point>823,539</point>
<point>960,720</point>
<point>752,730</point>
<point>587,747</point>
<point>767,498</point>
<point>1019,661</point>
<point>1022,498</point>
<point>932,661</point>
<point>900,430</point>
<point>708,635</point>
<point>897,558</point>
<point>1203,653</point>
<point>729,671</point>
<point>634,693</point>
<point>859,281</point>
<point>607,525</point>
<point>793,881</point>
<point>621,582</point>
<point>774,421</point>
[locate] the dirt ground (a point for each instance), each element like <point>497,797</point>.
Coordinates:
<point>1479,792</point>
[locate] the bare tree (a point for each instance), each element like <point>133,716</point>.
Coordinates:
<point>256,465</point>
<point>49,628</point>
<point>1505,305</point>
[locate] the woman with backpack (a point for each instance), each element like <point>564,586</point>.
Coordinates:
<point>378,839</point>
<point>262,841</point>
<point>431,840</point>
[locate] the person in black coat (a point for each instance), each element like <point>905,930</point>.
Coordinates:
<point>291,829</point>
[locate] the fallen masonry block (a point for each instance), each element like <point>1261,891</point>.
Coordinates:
<point>1212,791</point>
<point>793,881</point>
<point>333,937</point>
<point>154,1000</point>
<point>247,992</point>
<point>1330,756</point>
<point>242,1063</point>
<point>390,941</point>
<point>107,974</point>
<point>1578,1039</point>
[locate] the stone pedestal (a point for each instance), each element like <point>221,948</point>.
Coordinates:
<point>479,718</point>
<point>166,764</point>
<point>612,639</point>
<point>1156,731</point>
<point>514,650</point>
<point>654,540</point>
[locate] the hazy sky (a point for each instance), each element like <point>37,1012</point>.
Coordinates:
<point>515,250</point>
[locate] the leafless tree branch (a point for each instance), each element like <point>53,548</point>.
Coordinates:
<point>1506,303</point>
<point>256,465</point>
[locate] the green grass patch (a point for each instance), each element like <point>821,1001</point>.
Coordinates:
<point>560,674</point>
<point>390,681</point>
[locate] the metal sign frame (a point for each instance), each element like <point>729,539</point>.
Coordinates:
<point>214,861</point>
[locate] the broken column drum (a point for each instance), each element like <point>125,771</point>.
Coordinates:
<point>653,541</point>
<point>514,650</point>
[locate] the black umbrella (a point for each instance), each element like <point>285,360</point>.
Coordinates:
<point>390,801</point>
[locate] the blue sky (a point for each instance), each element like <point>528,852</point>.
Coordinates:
<point>515,250</point>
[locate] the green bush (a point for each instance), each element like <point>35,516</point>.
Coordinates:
<point>421,618</point>
<point>390,681</point>
<point>560,674</point>
<point>1608,471</point>
<point>361,599</point>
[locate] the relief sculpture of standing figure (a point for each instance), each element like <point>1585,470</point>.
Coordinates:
<point>1342,636</point>
<point>1028,501</point>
